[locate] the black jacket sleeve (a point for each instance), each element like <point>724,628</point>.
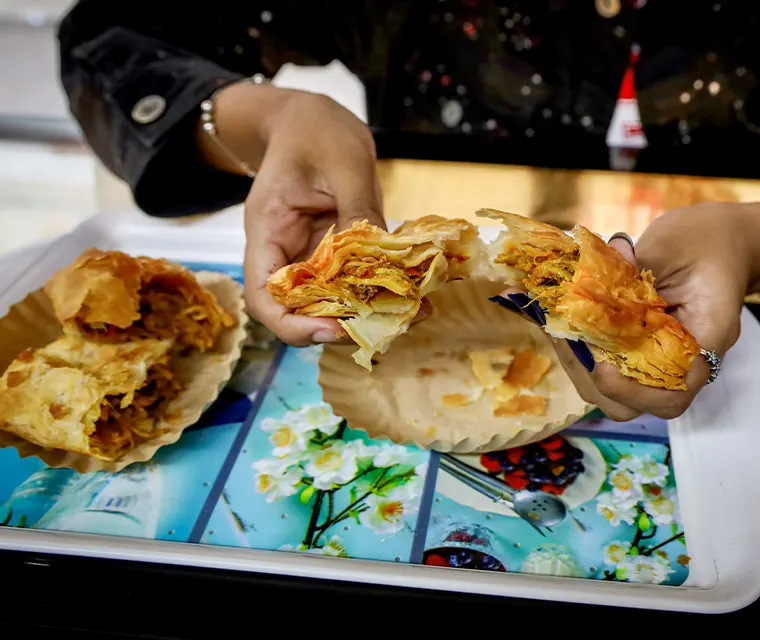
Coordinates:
<point>116,54</point>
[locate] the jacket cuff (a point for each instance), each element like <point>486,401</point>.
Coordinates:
<point>155,92</point>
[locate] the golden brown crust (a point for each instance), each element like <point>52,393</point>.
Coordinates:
<point>109,296</point>
<point>99,287</point>
<point>592,293</point>
<point>105,384</point>
<point>52,397</point>
<point>387,257</point>
<point>375,280</point>
<point>178,388</point>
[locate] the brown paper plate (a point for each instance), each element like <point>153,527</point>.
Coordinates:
<point>32,323</point>
<point>394,401</point>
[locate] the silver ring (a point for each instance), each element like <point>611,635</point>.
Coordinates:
<point>714,363</point>
<point>624,236</point>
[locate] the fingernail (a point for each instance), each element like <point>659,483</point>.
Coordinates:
<point>324,335</point>
<point>507,304</point>
<point>529,307</point>
<point>583,353</point>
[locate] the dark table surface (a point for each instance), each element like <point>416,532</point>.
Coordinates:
<point>103,598</point>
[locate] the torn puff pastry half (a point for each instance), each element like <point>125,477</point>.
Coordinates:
<point>374,281</point>
<point>88,398</point>
<point>590,292</point>
<point>109,296</point>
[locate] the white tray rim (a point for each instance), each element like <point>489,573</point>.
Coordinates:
<point>725,571</point>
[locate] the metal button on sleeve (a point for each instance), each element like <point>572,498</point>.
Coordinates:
<point>148,109</point>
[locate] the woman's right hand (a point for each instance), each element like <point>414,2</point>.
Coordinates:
<point>315,165</point>
<point>705,259</point>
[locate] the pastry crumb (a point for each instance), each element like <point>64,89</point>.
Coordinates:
<point>491,366</point>
<point>504,393</point>
<point>456,400</point>
<point>505,373</point>
<point>527,369</point>
<point>522,404</point>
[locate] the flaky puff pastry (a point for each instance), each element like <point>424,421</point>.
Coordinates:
<point>590,292</point>
<point>99,287</point>
<point>54,396</point>
<point>109,296</point>
<point>374,281</point>
<point>179,305</point>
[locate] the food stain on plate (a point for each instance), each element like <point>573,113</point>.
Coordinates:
<point>457,400</point>
<point>505,372</point>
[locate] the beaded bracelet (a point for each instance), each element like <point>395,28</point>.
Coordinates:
<point>209,124</point>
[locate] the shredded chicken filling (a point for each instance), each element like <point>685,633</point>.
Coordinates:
<point>369,267</point>
<point>547,271</point>
<point>119,429</point>
<point>164,315</point>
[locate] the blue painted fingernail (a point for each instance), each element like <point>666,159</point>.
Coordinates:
<point>529,307</point>
<point>507,304</point>
<point>583,353</point>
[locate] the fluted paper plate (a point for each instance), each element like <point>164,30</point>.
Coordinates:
<point>394,401</point>
<point>32,323</point>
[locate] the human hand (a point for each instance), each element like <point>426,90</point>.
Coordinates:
<point>702,261</point>
<point>318,170</point>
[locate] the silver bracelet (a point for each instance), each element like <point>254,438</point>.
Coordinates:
<point>210,128</point>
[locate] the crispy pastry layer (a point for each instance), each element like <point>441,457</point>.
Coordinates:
<point>590,292</point>
<point>374,281</point>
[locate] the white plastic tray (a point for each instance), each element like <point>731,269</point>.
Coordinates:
<point>714,448</point>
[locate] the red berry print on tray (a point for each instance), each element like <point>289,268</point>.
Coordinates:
<point>550,465</point>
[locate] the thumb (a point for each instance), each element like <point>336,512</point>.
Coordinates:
<point>358,196</point>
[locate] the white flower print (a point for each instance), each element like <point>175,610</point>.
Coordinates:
<point>335,547</point>
<point>616,510</point>
<point>391,454</point>
<point>277,478</point>
<point>416,484</point>
<point>287,437</point>
<point>331,465</point>
<point>317,416</point>
<point>385,514</point>
<point>648,471</point>
<point>623,483</point>
<point>616,552</point>
<point>363,450</point>
<point>661,505</point>
<point>646,569</point>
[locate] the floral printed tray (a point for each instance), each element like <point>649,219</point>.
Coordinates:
<point>270,467</point>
